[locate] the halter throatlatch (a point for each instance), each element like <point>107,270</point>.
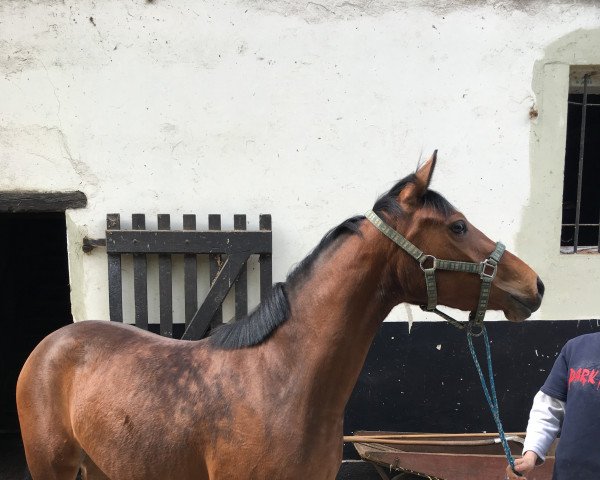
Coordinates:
<point>486,270</point>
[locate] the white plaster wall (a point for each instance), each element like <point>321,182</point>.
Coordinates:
<point>305,111</point>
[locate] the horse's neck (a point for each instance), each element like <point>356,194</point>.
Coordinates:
<point>334,317</point>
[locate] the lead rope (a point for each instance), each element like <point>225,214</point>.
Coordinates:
<point>492,399</point>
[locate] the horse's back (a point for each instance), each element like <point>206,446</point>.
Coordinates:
<point>90,387</point>
<point>93,358</point>
<point>58,355</point>
<point>46,380</point>
<point>53,358</point>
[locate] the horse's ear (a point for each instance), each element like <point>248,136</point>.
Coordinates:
<point>425,172</point>
<point>415,190</point>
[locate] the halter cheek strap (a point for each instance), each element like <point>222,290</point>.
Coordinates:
<point>486,270</point>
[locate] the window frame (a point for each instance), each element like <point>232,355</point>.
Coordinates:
<point>584,80</point>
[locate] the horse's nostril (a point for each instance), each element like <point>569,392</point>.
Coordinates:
<point>540,286</point>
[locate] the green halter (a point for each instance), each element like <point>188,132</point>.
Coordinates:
<point>429,264</point>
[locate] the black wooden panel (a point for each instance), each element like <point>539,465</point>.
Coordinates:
<point>266,273</point>
<point>241,284</point>
<point>221,286</point>
<point>115,292</point>
<point>215,261</point>
<point>28,201</point>
<point>190,266</point>
<point>165,283</point>
<point>424,380</point>
<point>140,276</point>
<point>176,242</point>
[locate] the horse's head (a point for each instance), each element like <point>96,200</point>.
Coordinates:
<point>433,225</point>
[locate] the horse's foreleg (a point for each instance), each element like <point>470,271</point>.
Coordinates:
<point>90,471</point>
<point>51,453</point>
<point>51,450</point>
<point>54,458</point>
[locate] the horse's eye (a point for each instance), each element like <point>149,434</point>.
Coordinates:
<point>459,227</point>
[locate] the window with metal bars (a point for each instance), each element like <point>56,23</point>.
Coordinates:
<point>581,189</point>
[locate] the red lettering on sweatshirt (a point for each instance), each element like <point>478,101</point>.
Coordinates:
<point>583,376</point>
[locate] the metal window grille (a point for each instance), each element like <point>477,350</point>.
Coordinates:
<point>581,190</point>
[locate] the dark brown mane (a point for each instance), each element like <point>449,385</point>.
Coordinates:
<point>264,320</point>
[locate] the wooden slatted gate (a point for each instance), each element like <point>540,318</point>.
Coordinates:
<point>228,253</point>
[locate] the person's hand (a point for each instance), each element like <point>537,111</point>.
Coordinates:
<point>523,465</point>
<point>526,463</point>
<point>510,475</point>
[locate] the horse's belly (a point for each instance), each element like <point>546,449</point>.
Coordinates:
<point>138,460</point>
<point>128,446</point>
<point>284,458</point>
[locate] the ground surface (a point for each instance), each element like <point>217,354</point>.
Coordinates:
<point>12,463</point>
<point>12,458</point>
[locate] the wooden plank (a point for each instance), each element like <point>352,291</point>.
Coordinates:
<point>366,436</point>
<point>31,201</point>
<point>178,242</point>
<point>455,457</point>
<point>221,286</point>
<point>140,276</point>
<point>115,283</point>
<point>265,259</point>
<point>241,284</point>
<point>454,466</point>
<point>165,283</point>
<point>190,274</point>
<point>215,262</point>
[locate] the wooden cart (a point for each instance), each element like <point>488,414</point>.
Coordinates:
<point>438,456</point>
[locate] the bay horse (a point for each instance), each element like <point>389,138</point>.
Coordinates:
<point>262,398</point>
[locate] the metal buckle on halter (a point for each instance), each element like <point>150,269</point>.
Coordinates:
<point>422,261</point>
<point>487,263</point>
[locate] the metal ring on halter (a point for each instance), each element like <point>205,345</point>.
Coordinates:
<point>488,264</point>
<point>470,331</point>
<point>424,258</point>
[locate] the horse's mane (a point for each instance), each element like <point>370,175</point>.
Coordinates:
<point>258,326</point>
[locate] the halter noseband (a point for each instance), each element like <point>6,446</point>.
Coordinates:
<point>486,270</point>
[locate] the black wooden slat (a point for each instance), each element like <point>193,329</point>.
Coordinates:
<point>140,276</point>
<point>190,273</point>
<point>221,286</point>
<point>266,273</point>
<point>115,284</point>
<point>237,245</point>
<point>165,283</point>
<point>241,284</point>
<point>177,242</point>
<point>215,262</point>
<point>29,201</point>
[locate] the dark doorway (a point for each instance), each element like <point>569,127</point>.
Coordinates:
<point>34,301</point>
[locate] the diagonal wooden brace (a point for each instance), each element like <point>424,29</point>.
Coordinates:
<point>223,282</point>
